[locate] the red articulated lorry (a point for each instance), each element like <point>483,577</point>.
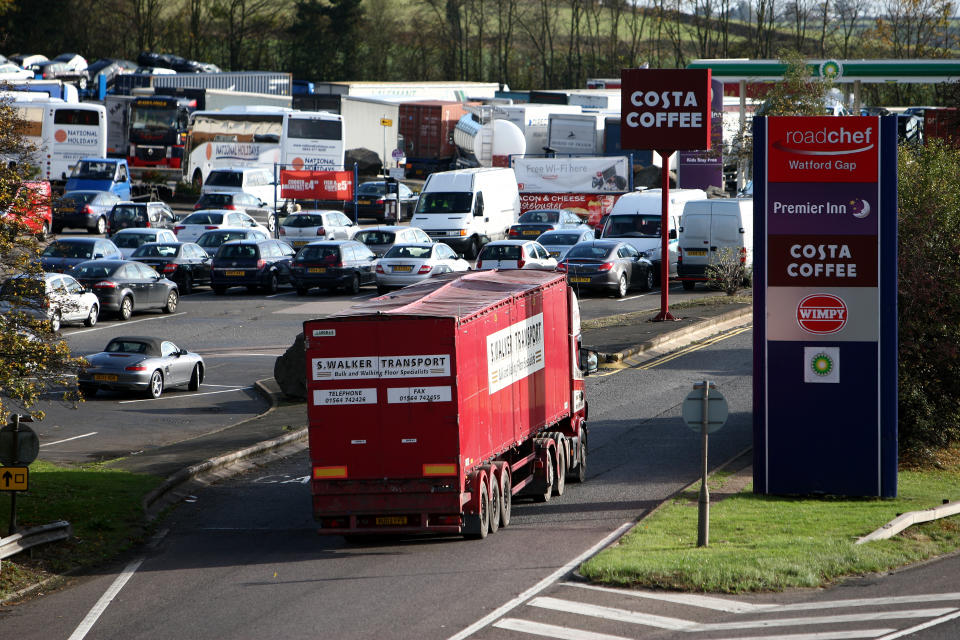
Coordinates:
<point>431,408</point>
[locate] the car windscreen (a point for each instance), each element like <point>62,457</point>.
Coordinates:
<point>371,189</point>
<point>203,218</point>
<point>323,253</point>
<point>157,251</point>
<point>632,226</point>
<point>225,179</point>
<point>445,202</point>
<point>69,250</point>
<point>501,252</point>
<point>127,346</point>
<point>75,198</point>
<point>215,200</point>
<point>539,216</point>
<point>214,239</point>
<point>238,251</point>
<point>302,220</point>
<point>376,237</point>
<point>94,270</point>
<point>128,213</point>
<point>559,238</point>
<point>589,251</point>
<point>409,252</point>
<point>132,240</point>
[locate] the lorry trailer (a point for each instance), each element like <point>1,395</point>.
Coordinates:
<point>432,408</point>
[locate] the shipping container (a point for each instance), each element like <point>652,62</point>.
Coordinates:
<point>426,90</point>
<point>427,128</point>
<point>275,82</point>
<point>480,401</point>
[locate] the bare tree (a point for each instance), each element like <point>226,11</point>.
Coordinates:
<point>798,13</point>
<point>507,14</point>
<point>540,26</point>
<point>917,28</point>
<point>636,26</point>
<point>848,14</point>
<point>145,16</point>
<point>765,12</point>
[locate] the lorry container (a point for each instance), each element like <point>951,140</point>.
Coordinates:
<point>371,123</point>
<point>427,128</point>
<point>942,123</point>
<point>275,82</point>
<point>576,133</point>
<point>533,121</point>
<point>481,401</point>
<point>426,90</point>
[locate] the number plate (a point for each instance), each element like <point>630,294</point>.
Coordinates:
<point>531,232</point>
<point>579,279</point>
<point>317,270</point>
<point>300,243</point>
<point>392,520</point>
<point>401,267</point>
<point>105,377</point>
<point>236,273</point>
<point>364,201</point>
<point>696,252</point>
<point>555,254</point>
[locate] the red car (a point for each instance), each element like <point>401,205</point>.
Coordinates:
<point>32,207</point>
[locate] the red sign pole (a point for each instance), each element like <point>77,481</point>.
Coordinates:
<point>664,236</point>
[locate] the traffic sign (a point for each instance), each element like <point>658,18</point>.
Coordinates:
<point>386,122</point>
<point>14,478</point>
<point>717,410</point>
<point>18,446</point>
<point>396,154</point>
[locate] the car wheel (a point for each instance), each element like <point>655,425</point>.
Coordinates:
<point>45,231</point>
<point>622,286</point>
<point>354,286</point>
<point>648,282</point>
<point>301,291</point>
<point>93,316</point>
<point>87,390</point>
<point>82,84</point>
<point>219,289</point>
<point>173,298</point>
<point>55,321</point>
<point>196,378</point>
<point>156,385</point>
<point>688,285</point>
<point>100,227</point>
<point>187,285</point>
<point>126,308</point>
<point>272,284</point>
<point>473,250</point>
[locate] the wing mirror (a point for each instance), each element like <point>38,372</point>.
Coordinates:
<point>589,362</point>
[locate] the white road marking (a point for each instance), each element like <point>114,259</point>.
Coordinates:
<point>124,324</point>
<point>540,586</point>
<point>921,627</point>
<point>277,295</point>
<point>866,602</point>
<point>91,618</point>
<point>552,631</point>
<point>612,613</point>
<point>642,295</point>
<point>192,395</point>
<point>237,354</point>
<point>50,444</point>
<point>704,602</point>
<point>820,635</point>
<point>839,619</point>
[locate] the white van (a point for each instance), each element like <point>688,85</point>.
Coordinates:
<point>635,218</point>
<point>707,228</point>
<point>255,181</point>
<point>468,208</point>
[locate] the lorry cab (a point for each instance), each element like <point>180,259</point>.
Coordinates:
<point>468,208</point>
<point>101,174</point>
<point>636,219</point>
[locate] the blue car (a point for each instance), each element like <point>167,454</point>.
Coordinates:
<point>62,255</point>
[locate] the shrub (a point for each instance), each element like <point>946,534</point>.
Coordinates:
<point>728,273</point>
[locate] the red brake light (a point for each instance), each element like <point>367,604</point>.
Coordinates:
<point>425,269</point>
<point>379,269</point>
<point>105,284</point>
<point>479,263</point>
<point>211,227</point>
<point>135,367</point>
<point>148,223</point>
<point>606,266</point>
<point>321,231</point>
<point>743,255</point>
<point>231,207</point>
<point>261,263</point>
<point>283,231</point>
<point>170,267</point>
<point>521,262</point>
<point>196,206</point>
<point>178,228</point>
<point>679,255</point>
<point>562,266</point>
<point>514,232</point>
<point>87,209</point>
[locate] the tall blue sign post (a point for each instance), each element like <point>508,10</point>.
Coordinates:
<point>825,305</point>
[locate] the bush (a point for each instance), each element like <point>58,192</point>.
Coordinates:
<point>929,299</point>
<point>728,273</point>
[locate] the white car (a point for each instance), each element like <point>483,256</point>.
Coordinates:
<point>382,239</point>
<point>558,242</point>
<point>74,61</point>
<point>129,240</point>
<point>66,299</point>
<point>301,228</point>
<point>194,225</point>
<point>10,72</point>
<point>406,264</point>
<point>515,254</point>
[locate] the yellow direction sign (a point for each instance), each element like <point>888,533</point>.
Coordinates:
<point>386,122</point>
<point>14,478</point>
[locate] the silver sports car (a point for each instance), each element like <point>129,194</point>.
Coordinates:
<point>138,363</point>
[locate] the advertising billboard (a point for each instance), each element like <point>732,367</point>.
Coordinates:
<point>665,109</point>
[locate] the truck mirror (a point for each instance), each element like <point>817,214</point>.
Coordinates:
<point>673,234</point>
<point>588,361</point>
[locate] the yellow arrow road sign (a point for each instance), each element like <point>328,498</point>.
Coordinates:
<point>14,478</point>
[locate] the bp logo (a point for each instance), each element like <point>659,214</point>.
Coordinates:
<point>831,69</point>
<point>821,364</point>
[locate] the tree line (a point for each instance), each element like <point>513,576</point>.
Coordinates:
<point>526,44</point>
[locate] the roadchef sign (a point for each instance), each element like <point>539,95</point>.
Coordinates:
<point>665,109</point>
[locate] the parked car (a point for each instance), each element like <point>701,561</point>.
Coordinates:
<point>83,210</point>
<point>128,240</point>
<point>125,286</point>
<point>515,254</point>
<point>109,69</point>
<point>140,363</point>
<point>210,241</point>
<point>74,61</point>
<point>194,225</point>
<point>31,207</point>
<point>53,70</point>
<point>557,243</point>
<point>27,59</point>
<point>255,181</point>
<point>9,72</point>
<point>382,239</point>
<point>531,224</point>
<point>370,200</point>
<point>308,226</point>
<point>58,298</point>
<point>185,263</point>
<point>328,265</point>
<point>238,201</point>
<point>607,265</point>
<point>407,264</point>
<point>63,254</point>
<point>140,214</point>
<point>263,264</point>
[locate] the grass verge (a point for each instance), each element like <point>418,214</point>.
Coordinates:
<point>769,543</point>
<point>636,317</point>
<point>102,505</point>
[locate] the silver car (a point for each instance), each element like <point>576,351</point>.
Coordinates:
<point>301,228</point>
<point>557,243</point>
<point>140,363</point>
<point>381,239</point>
<point>409,263</point>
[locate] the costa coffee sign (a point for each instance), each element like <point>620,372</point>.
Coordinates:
<point>665,109</point>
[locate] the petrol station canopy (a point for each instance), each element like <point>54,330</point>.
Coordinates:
<point>840,71</point>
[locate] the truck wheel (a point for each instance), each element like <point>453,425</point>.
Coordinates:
<point>506,496</point>
<point>197,179</point>
<point>495,507</point>
<point>579,473</point>
<point>477,525</point>
<point>688,285</point>
<point>560,482</point>
<point>544,487</point>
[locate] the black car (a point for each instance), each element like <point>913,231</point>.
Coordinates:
<point>63,254</point>
<point>335,263</point>
<point>238,201</point>
<point>607,265</point>
<point>83,210</point>
<point>254,264</point>
<point>185,263</point>
<point>370,201</point>
<point>125,286</point>
<point>211,240</point>
<point>125,215</point>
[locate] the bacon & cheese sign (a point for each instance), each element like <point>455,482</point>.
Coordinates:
<point>825,295</point>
